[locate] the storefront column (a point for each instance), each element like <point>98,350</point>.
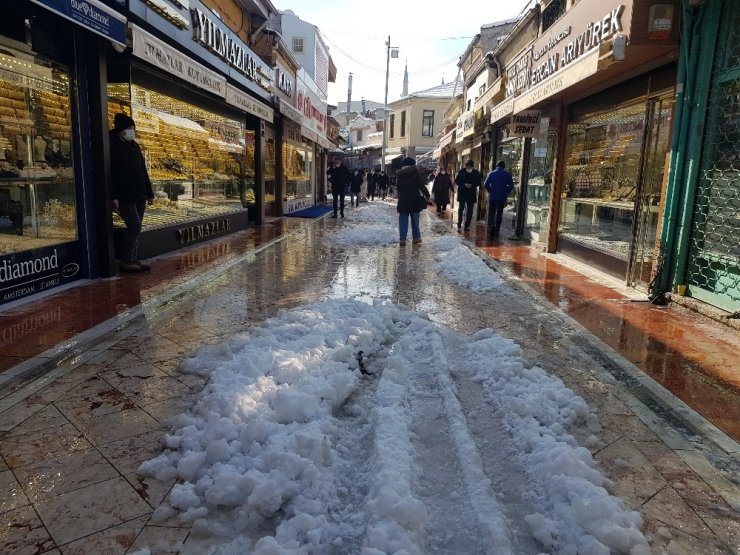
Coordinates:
<point>102,257</point>
<point>557,181</point>
<point>280,180</point>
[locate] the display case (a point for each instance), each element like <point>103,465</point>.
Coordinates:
<point>201,163</point>
<point>37,186</point>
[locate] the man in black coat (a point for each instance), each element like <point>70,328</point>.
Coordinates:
<point>468,180</point>
<point>340,177</point>
<point>132,189</point>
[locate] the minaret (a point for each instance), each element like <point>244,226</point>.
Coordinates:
<point>406,80</point>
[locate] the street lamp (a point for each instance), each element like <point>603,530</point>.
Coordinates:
<point>391,52</point>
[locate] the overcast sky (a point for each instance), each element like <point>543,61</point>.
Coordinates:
<point>431,39</point>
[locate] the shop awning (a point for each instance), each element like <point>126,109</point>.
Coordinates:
<point>94,16</point>
<point>390,157</point>
<point>437,153</point>
<point>447,138</point>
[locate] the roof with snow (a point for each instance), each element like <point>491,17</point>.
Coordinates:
<point>444,90</point>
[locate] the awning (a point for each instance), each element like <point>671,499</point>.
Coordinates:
<point>447,139</point>
<point>390,157</point>
<point>437,153</point>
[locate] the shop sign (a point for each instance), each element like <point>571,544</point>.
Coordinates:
<point>596,33</point>
<point>168,12</point>
<point>31,272</point>
<point>517,74</point>
<point>157,53</point>
<point>251,106</point>
<point>297,204</point>
<point>289,112</point>
<point>310,105</point>
<point>91,14</point>
<point>465,126</point>
<point>222,131</point>
<point>292,134</point>
<point>524,124</point>
<point>229,47</point>
<point>284,82</point>
<point>194,233</point>
<point>502,110</point>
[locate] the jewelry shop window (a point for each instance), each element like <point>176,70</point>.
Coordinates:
<point>298,168</point>
<point>201,163</point>
<point>602,163</point>
<point>37,187</point>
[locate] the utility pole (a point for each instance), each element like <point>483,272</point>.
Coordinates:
<point>385,105</point>
<point>349,105</point>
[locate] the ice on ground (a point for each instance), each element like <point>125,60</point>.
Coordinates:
<point>461,265</point>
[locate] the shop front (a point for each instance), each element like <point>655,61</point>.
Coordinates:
<point>46,206</point>
<point>201,128</point>
<point>298,169</point>
<point>593,168</point>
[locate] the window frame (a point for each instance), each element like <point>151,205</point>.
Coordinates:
<point>392,125</point>
<point>302,43</point>
<point>402,132</point>
<point>427,120</point>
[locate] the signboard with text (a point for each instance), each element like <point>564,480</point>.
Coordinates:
<point>91,14</point>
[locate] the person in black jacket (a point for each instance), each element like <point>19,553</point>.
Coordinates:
<point>132,189</point>
<point>413,197</point>
<point>355,187</point>
<point>340,177</point>
<point>468,180</point>
<point>372,182</point>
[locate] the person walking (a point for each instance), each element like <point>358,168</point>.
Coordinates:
<point>372,182</point>
<point>499,185</point>
<point>413,197</point>
<point>441,189</point>
<point>468,180</point>
<point>381,180</point>
<point>132,188</point>
<point>340,177</point>
<point>355,187</point>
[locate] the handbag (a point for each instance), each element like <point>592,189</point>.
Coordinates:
<point>420,203</point>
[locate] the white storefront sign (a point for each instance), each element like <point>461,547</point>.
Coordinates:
<point>245,102</point>
<point>525,124</point>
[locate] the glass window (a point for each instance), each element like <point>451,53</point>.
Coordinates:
<point>359,135</point>
<point>270,165</point>
<point>392,125</point>
<point>510,151</point>
<point>539,185</point>
<point>199,162</point>
<point>403,124</point>
<point>427,123</point>
<point>37,187</point>
<point>602,164</point>
<point>298,168</point>
<point>298,45</point>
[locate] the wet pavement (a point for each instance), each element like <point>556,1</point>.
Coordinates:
<point>84,413</point>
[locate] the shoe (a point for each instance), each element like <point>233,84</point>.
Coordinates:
<point>333,215</point>
<point>130,267</point>
<point>458,225</point>
<point>342,214</point>
<point>143,265</point>
<point>402,243</point>
<point>467,228</point>
<point>416,241</point>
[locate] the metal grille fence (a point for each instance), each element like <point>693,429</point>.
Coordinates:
<point>714,253</point>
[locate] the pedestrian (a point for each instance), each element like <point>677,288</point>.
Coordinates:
<point>499,185</point>
<point>381,181</point>
<point>340,177</point>
<point>132,188</point>
<point>413,197</point>
<point>372,182</point>
<point>355,187</point>
<point>468,180</point>
<point>441,189</point>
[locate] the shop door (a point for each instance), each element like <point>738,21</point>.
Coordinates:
<point>649,197</point>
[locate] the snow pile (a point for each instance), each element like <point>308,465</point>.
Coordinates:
<point>257,447</point>
<point>578,514</point>
<point>464,267</point>
<point>373,224</point>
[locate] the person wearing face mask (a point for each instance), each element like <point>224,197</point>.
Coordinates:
<point>468,180</point>
<point>340,178</point>
<point>132,189</point>
<point>441,189</point>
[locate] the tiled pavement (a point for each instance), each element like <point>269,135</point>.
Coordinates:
<point>70,444</point>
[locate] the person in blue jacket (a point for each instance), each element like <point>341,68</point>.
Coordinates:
<point>499,185</point>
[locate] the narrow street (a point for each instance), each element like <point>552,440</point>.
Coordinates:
<point>382,398</point>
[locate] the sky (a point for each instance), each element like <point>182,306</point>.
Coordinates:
<point>338,427</point>
<point>430,39</point>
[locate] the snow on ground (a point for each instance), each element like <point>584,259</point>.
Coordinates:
<point>374,223</point>
<point>291,449</point>
<point>461,265</point>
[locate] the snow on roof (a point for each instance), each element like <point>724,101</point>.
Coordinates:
<point>444,90</point>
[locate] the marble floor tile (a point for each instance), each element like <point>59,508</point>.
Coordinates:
<point>20,412</point>
<point>727,529</point>
<point>115,540</point>
<point>11,493</point>
<point>3,465</point>
<point>146,384</point>
<point>85,511</point>
<point>34,447</point>
<point>151,490</point>
<point>47,417</point>
<point>64,473</point>
<point>165,411</point>
<point>23,533</point>
<point>127,454</point>
<point>94,397</point>
<point>159,348</point>
<point>160,540</point>
<point>117,425</point>
<point>668,507</point>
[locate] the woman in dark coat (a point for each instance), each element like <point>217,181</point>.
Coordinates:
<point>441,189</point>
<point>412,199</point>
<point>355,186</point>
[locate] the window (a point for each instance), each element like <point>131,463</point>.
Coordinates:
<point>392,125</point>
<point>403,124</point>
<point>552,13</point>
<point>359,135</point>
<point>299,45</point>
<point>427,123</point>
